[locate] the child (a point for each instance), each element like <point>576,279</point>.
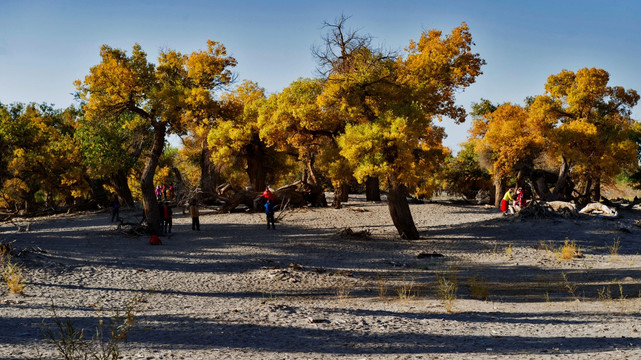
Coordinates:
<point>194,213</point>
<point>269,211</point>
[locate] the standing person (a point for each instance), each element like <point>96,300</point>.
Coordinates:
<point>115,209</point>
<point>520,201</point>
<point>505,203</point>
<point>171,192</point>
<point>167,215</point>
<point>164,191</point>
<point>194,213</point>
<point>269,211</point>
<point>161,211</point>
<point>158,193</point>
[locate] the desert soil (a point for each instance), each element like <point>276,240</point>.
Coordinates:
<point>235,290</point>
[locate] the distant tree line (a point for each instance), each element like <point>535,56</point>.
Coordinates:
<point>367,118</point>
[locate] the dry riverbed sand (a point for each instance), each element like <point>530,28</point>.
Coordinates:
<point>237,290</point>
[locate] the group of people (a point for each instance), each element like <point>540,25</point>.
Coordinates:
<point>165,192</point>
<point>510,205</point>
<point>166,212</point>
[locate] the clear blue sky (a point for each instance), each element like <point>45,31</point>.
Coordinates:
<point>45,45</point>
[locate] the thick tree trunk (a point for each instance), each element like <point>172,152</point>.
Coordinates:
<point>338,195</point>
<point>98,191</point>
<point>596,194</point>
<point>209,176</point>
<point>399,209</point>
<point>147,179</point>
<point>344,192</point>
<point>119,181</point>
<point>311,175</point>
<point>256,164</point>
<point>372,189</point>
<point>499,190</point>
<point>564,171</point>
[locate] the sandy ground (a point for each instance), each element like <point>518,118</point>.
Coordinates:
<point>236,290</point>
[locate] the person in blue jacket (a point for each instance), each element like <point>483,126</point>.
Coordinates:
<point>269,211</point>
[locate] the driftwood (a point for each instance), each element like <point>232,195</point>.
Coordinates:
<point>245,197</point>
<point>348,233</point>
<point>541,209</point>
<point>599,209</point>
<point>562,207</point>
<point>298,194</point>
<point>621,203</point>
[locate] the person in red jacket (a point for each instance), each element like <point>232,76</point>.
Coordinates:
<point>267,194</point>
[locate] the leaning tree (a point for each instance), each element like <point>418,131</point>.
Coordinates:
<point>392,105</point>
<point>168,96</point>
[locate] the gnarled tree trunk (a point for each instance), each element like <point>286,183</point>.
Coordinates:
<point>400,212</point>
<point>336,203</point>
<point>255,157</point>
<point>499,190</point>
<point>372,189</point>
<point>209,176</point>
<point>560,185</point>
<point>147,179</point>
<point>119,181</point>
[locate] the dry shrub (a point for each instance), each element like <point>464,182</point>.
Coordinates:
<point>614,248</point>
<point>447,287</point>
<point>568,251</point>
<point>406,291</point>
<point>13,275</point>
<point>6,248</point>
<point>478,287</point>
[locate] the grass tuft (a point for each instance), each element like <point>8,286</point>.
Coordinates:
<point>568,251</point>
<point>478,287</point>
<point>13,275</point>
<point>447,287</point>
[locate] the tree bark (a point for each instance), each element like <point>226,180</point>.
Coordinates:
<point>372,189</point>
<point>499,190</point>
<point>209,176</point>
<point>400,212</point>
<point>311,174</point>
<point>564,171</point>
<point>338,189</point>
<point>98,191</point>
<point>344,192</point>
<point>596,195</point>
<point>256,164</point>
<point>119,181</point>
<point>147,179</point>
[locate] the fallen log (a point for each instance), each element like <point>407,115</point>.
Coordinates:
<point>541,209</point>
<point>298,194</point>
<point>599,209</point>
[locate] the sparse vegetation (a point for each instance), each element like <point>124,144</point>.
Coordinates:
<point>447,287</point>
<point>568,251</point>
<point>12,274</point>
<point>406,291</point>
<point>382,287</point>
<point>71,343</point>
<point>567,285</point>
<point>344,289</point>
<point>614,248</point>
<point>478,287</point>
<point>508,250</point>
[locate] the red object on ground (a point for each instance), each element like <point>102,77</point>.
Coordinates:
<point>154,240</point>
